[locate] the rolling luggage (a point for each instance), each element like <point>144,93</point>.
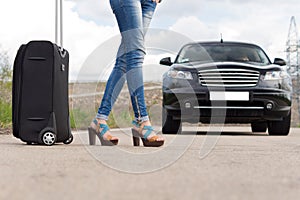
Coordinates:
<point>40,91</point>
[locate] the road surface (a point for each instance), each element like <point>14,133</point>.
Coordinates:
<point>236,165</point>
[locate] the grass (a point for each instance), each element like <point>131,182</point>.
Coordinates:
<point>5,114</point>
<point>79,119</point>
<point>121,118</point>
<point>5,105</point>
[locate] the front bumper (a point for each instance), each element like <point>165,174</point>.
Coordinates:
<point>189,105</point>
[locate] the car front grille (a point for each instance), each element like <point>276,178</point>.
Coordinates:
<point>228,77</point>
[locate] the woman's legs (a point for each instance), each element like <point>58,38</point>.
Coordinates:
<point>133,17</point>
<point>113,88</point>
<point>135,61</point>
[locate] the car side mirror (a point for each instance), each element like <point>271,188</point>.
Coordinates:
<point>279,61</point>
<point>166,61</point>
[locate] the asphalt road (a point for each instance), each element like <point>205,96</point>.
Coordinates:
<point>236,165</point>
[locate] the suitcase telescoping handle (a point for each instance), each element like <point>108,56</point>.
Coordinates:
<point>59,26</point>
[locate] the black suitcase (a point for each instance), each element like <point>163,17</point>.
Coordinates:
<point>40,94</point>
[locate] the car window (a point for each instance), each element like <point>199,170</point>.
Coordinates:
<point>222,53</point>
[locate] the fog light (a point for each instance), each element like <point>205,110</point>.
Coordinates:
<point>269,106</point>
<point>188,105</point>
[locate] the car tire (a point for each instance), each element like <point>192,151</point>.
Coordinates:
<point>280,128</point>
<point>170,126</point>
<point>259,127</point>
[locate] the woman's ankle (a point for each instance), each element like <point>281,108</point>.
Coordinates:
<point>101,121</point>
<point>146,123</point>
<point>96,123</point>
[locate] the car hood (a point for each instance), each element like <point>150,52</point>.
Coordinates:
<point>202,66</point>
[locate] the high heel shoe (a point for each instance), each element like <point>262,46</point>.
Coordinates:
<point>147,142</point>
<point>135,135</point>
<point>109,141</point>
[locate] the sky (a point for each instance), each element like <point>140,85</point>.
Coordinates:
<point>91,34</point>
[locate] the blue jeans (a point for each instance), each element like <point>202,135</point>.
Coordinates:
<point>133,17</point>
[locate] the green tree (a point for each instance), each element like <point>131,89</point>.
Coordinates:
<point>5,67</point>
<point>5,90</point>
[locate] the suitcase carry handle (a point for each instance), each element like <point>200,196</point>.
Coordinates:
<point>59,26</point>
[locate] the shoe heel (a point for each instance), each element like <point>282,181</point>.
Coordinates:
<point>136,141</point>
<point>135,138</point>
<point>92,136</point>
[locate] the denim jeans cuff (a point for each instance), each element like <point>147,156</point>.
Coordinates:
<point>143,119</point>
<point>102,117</point>
<point>136,119</point>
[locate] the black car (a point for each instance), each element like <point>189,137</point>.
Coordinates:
<point>226,82</point>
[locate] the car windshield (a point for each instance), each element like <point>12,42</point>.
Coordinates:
<point>221,52</point>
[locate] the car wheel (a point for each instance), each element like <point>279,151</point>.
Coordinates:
<point>280,128</point>
<point>259,127</point>
<point>170,126</point>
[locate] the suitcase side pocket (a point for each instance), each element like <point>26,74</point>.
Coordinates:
<point>16,89</point>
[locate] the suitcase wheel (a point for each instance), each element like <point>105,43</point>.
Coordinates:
<point>70,140</point>
<point>48,138</point>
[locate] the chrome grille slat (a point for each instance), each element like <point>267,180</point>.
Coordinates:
<point>241,74</point>
<point>228,77</point>
<point>231,85</point>
<point>229,70</point>
<point>229,81</point>
<point>217,73</point>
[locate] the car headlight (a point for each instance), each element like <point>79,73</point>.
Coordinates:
<point>275,75</point>
<point>180,74</point>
